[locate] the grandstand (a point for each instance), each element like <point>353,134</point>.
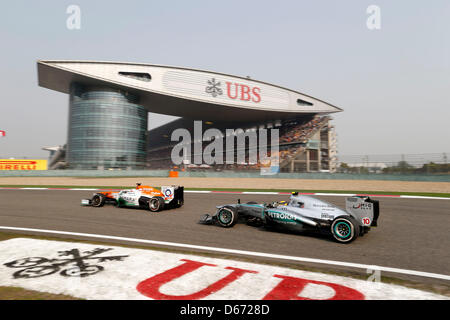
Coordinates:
<point>306,144</point>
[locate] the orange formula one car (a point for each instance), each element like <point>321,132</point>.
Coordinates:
<point>145,197</point>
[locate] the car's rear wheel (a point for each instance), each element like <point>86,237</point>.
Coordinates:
<point>98,200</point>
<point>345,229</point>
<point>156,204</point>
<point>227,217</point>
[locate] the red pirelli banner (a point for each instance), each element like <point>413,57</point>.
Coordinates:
<point>23,164</point>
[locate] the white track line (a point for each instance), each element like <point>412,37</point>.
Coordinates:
<point>253,192</point>
<point>423,197</point>
<point>261,192</point>
<point>335,194</point>
<point>241,252</point>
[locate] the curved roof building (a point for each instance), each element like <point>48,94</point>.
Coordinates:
<point>109,102</point>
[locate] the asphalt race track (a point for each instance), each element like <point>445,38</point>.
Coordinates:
<point>413,234</point>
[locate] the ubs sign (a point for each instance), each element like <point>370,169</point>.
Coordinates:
<point>224,89</point>
<point>234,90</point>
<point>243,92</point>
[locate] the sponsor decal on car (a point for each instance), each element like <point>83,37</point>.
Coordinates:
<point>363,206</point>
<point>327,216</point>
<point>281,215</point>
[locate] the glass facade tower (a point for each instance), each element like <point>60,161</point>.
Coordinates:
<point>107,129</point>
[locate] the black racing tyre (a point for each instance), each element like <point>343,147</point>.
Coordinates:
<point>156,204</point>
<point>98,200</point>
<point>345,229</point>
<point>227,216</point>
<point>252,202</point>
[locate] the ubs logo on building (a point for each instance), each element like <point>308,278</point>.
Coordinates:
<point>234,90</point>
<point>213,88</point>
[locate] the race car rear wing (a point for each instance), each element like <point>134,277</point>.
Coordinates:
<point>173,194</point>
<point>179,193</point>
<point>364,209</point>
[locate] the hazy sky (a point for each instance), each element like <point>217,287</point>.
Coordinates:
<point>393,83</point>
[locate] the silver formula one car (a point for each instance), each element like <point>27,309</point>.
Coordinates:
<point>304,213</point>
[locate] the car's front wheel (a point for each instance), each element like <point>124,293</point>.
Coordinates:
<point>98,200</point>
<point>345,229</point>
<point>227,217</point>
